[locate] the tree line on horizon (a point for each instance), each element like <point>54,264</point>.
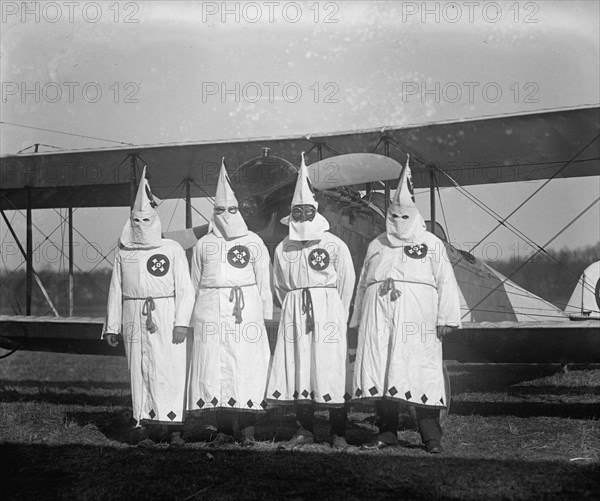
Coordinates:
<point>551,276</point>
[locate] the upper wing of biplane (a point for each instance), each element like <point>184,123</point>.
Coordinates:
<point>507,148</point>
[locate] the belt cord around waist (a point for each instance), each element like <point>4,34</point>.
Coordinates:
<point>237,295</point>
<point>147,308</point>
<point>307,309</point>
<point>388,285</point>
<point>307,305</point>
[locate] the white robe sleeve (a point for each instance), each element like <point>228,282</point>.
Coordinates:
<point>447,288</point>
<point>278,279</point>
<point>196,268</point>
<point>184,291</point>
<point>346,277</point>
<point>114,307</point>
<point>360,291</point>
<point>262,271</point>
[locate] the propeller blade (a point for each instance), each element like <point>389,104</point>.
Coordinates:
<point>354,168</point>
<point>188,237</point>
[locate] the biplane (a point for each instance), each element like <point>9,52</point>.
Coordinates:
<point>353,173</point>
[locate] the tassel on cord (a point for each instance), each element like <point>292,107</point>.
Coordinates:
<point>147,310</point>
<point>388,285</point>
<point>307,309</point>
<point>238,295</point>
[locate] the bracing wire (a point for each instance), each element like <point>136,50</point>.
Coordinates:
<point>503,221</point>
<point>562,230</point>
<point>443,212</point>
<point>173,214</point>
<point>65,133</point>
<point>491,212</point>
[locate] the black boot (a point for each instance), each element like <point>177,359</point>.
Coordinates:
<point>337,419</point>
<point>176,440</point>
<point>305,417</point>
<point>428,420</point>
<point>387,421</point>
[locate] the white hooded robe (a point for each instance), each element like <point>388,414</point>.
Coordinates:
<point>406,288</point>
<point>232,279</point>
<point>152,271</point>
<point>311,367</point>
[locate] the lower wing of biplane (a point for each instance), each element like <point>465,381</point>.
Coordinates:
<point>502,321</point>
<point>551,342</point>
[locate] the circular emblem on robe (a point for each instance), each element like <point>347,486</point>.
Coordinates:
<point>238,256</point>
<point>158,265</point>
<point>418,251</point>
<point>318,259</point>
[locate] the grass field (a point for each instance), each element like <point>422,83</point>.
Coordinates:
<point>514,432</point>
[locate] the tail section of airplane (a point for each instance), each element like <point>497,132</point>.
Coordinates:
<point>585,300</point>
<point>526,306</point>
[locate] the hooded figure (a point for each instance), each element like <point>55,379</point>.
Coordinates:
<point>305,224</point>
<point>142,230</point>
<point>226,222</point>
<point>403,221</point>
<point>313,280</point>
<point>150,303</point>
<point>231,273</point>
<point>407,299</point>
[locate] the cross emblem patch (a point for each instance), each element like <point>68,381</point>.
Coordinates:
<point>158,265</point>
<point>318,259</point>
<point>417,251</point>
<point>238,256</point>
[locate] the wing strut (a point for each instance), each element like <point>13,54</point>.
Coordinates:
<point>188,214</point>
<point>386,152</point>
<point>134,184</point>
<point>71,277</point>
<point>432,199</point>
<point>29,256</point>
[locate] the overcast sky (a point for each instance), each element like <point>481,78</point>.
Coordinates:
<point>158,72</point>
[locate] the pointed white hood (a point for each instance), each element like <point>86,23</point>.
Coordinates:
<point>303,195</point>
<point>142,230</point>
<point>404,223</point>
<point>227,225</point>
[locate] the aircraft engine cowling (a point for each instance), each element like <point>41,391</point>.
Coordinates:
<point>260,185</point>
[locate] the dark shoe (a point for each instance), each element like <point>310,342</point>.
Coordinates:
<point>222,439</point>
<point>176,440</point>
<point>147,443</point>
<point>207,433</point>
<point>248,442</point>
<point>138,434</point>
<point>375,445</point>
<point>248,439</point>
<point>338,442</point>
<point>296,442</point>
<point>433,447</point>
